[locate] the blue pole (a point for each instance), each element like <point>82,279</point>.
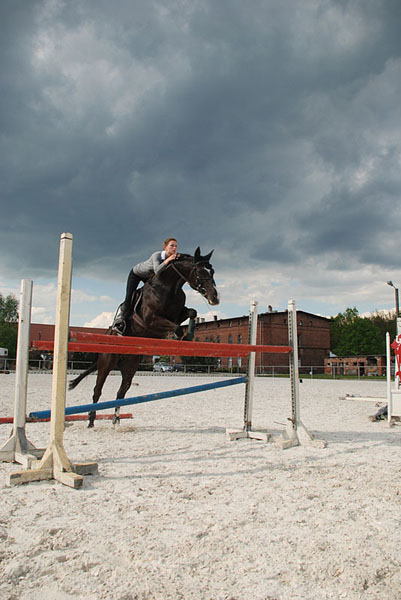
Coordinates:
<point>73,410</point>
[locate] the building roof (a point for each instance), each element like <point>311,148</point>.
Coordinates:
<point>267,314</point>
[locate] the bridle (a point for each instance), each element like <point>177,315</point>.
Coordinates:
<point>198,286</point>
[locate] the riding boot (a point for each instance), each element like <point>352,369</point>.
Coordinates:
<point>125,309</point>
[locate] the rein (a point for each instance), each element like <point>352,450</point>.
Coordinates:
<point>198,280</point>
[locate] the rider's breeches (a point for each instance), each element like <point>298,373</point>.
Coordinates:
<point>132,283</point>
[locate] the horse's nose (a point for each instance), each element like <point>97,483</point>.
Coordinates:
<point>215,300</point>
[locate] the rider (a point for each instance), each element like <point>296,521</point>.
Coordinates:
<point>156,263</point>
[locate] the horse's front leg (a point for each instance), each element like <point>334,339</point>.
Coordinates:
<point>187,313</point>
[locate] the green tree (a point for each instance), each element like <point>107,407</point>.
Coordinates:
<point>8,309</point>
<point>352,335</point>
<point>338,325</point>
<point>385,322</point>
<point>8,323</point>
<point>8,338</point>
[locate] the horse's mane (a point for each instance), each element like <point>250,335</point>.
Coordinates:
<point>184,257</point>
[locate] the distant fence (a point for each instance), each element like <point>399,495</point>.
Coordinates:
<point>306,372</point>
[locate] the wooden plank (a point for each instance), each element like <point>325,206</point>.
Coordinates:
<point>149,346</point>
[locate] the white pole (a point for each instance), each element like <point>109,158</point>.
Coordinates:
<point>248,407</point>
<point>388,374</point>
<point>247,431</point>
<point>294,368</point>
<point>18,448</point>
<point>21,369</point>
<point>296,432</point>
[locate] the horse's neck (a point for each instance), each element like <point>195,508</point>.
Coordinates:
<point>173,278</point>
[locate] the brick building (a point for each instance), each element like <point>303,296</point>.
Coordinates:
<point>44,331</point>
<point>355,365</point>
<point>313,338</point>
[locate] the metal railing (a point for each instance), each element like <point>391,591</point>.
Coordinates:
<point>312,372</point>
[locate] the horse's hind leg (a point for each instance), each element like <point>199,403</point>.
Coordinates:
<point>128,367</point>
<point>106,363</point>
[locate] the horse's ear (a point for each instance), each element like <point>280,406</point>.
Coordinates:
<point>208,256</point>
<point>197,255</point>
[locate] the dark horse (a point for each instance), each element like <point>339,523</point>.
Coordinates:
<point>159,310</point>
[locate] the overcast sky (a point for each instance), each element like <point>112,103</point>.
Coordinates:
<point>268,130</point>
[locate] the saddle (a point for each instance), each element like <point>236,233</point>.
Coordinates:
<point>119,323</point>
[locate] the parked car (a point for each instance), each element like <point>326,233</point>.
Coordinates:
<point>179,367</point>
<point>161,367</point>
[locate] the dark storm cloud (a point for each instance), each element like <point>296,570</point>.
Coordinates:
<point>269,126</point>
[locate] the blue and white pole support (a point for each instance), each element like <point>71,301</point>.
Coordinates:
<point>296,433</point>
<point>252,334</point>
<point>247,431</point>
<point>18,448</point>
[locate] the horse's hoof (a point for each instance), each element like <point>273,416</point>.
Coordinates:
<point>90,425</point>
<point>116,420</point>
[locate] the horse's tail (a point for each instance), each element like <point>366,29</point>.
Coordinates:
<point>73,384</point>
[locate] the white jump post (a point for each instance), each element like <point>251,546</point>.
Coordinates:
<point>247,431</point>
<point>393,393</point>
<point>296,433</point>
<point>55,464</point>
<point>18,448</point>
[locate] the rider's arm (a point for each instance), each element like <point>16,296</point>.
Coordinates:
<point>158,263</point>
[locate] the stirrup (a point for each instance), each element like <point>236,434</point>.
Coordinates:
<point>119,326</point>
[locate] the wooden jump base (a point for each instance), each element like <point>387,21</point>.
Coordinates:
<point>56,465</point>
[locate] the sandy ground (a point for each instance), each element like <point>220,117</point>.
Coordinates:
<point>178,511</point>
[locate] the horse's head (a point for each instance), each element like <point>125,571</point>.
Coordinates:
<point>201,277</point>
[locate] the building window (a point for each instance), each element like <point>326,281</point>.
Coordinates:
<point>218,339</point>
<point>230,339</point>
<point>240,338</point>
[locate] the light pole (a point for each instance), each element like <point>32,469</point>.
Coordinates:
<point>397,305</point>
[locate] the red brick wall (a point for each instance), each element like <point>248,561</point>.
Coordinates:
<point>44,331</point>
<point>355,365</point>
<point>313,336</point>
